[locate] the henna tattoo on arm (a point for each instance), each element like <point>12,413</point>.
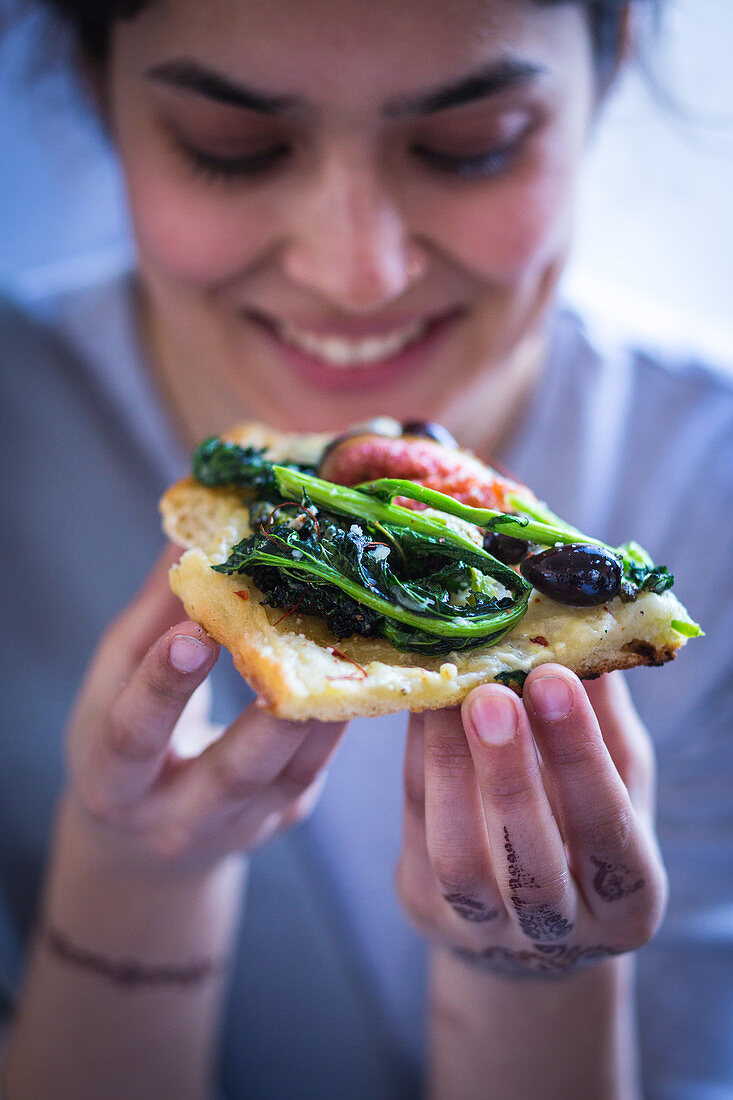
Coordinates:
<point>470,909</point>
<point>546,960</point>
<point>538,920</point>
<point>613,881</point>
<point>128,973</point>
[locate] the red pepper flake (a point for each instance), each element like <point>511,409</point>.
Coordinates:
<point>539,640</point>
<point>290,610</point>
<point>338,653</point>
<point>242,593</point>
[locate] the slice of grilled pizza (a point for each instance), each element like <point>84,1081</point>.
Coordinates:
<point>435,575</point>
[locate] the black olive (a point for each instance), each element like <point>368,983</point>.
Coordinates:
<point>577,574</point>
<point>427,429</point>
<point>505,547</point>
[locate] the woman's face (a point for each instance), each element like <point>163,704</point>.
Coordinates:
<point>352,208</point>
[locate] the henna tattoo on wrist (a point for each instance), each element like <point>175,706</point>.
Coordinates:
<point>470,909</point>
<point>543,960</point>
<point>538,921</point>
<point>128,973</point>
<point>613,881</point>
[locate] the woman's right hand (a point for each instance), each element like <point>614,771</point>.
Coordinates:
<point>135,793</point>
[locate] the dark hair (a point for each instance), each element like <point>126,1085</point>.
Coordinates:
<point>91,21</point>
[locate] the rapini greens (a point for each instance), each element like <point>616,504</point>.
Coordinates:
<point>369,566</point>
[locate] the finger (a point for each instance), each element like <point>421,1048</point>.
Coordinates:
<point>611,855</point>
<point>626,737</point>
<point>251,825</point>
<point>528,852</point>
<point>124,644</point>
<point>120,758</point>
<point>416,883</point>
<point>304,804</point>
<point>307,765</point>
<point>457,841</point>
<point>414,769</point>
<point>244,763</point>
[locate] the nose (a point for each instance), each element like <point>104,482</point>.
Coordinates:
<point>349,241</point>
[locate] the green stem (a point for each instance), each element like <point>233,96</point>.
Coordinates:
<point>549,531</point>
<point>458,626</point>
<point>537,509</point>
<point>357,503</point>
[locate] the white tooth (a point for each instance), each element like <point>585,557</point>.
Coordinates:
<point>340,352</point>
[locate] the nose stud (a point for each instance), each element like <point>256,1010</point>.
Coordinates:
<point>414,269</point>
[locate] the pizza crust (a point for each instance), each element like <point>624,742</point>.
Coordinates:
<point>301,671</point>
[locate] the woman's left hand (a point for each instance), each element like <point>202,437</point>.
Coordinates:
<point>529,842</point>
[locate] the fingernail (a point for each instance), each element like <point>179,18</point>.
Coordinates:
<point>187,654</point>
<point>551,697</point>
<point>494,718</point>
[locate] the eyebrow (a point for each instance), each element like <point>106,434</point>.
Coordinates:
<point>499,76</point>
<point>192,77</point>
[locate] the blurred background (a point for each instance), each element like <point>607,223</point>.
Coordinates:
<point>654,245</point>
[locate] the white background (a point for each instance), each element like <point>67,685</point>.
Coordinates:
<point>654,246</point>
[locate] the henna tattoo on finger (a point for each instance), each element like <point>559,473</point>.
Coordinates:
<point>548,960</point>
<point>470,909</point>
<point>519,879</point>
<point>613,881</point>
<point>538,921</point>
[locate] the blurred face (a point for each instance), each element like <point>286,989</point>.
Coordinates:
<point>347,209</point>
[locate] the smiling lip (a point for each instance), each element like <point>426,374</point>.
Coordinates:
<point>338,362</point>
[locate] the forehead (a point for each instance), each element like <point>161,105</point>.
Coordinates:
<point>354,52</point>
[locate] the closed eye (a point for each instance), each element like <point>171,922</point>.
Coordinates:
<point>483,165</point>
<point>227,168</point>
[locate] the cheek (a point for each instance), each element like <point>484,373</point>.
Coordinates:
<point>193,232</point>
<point>502,233</point>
